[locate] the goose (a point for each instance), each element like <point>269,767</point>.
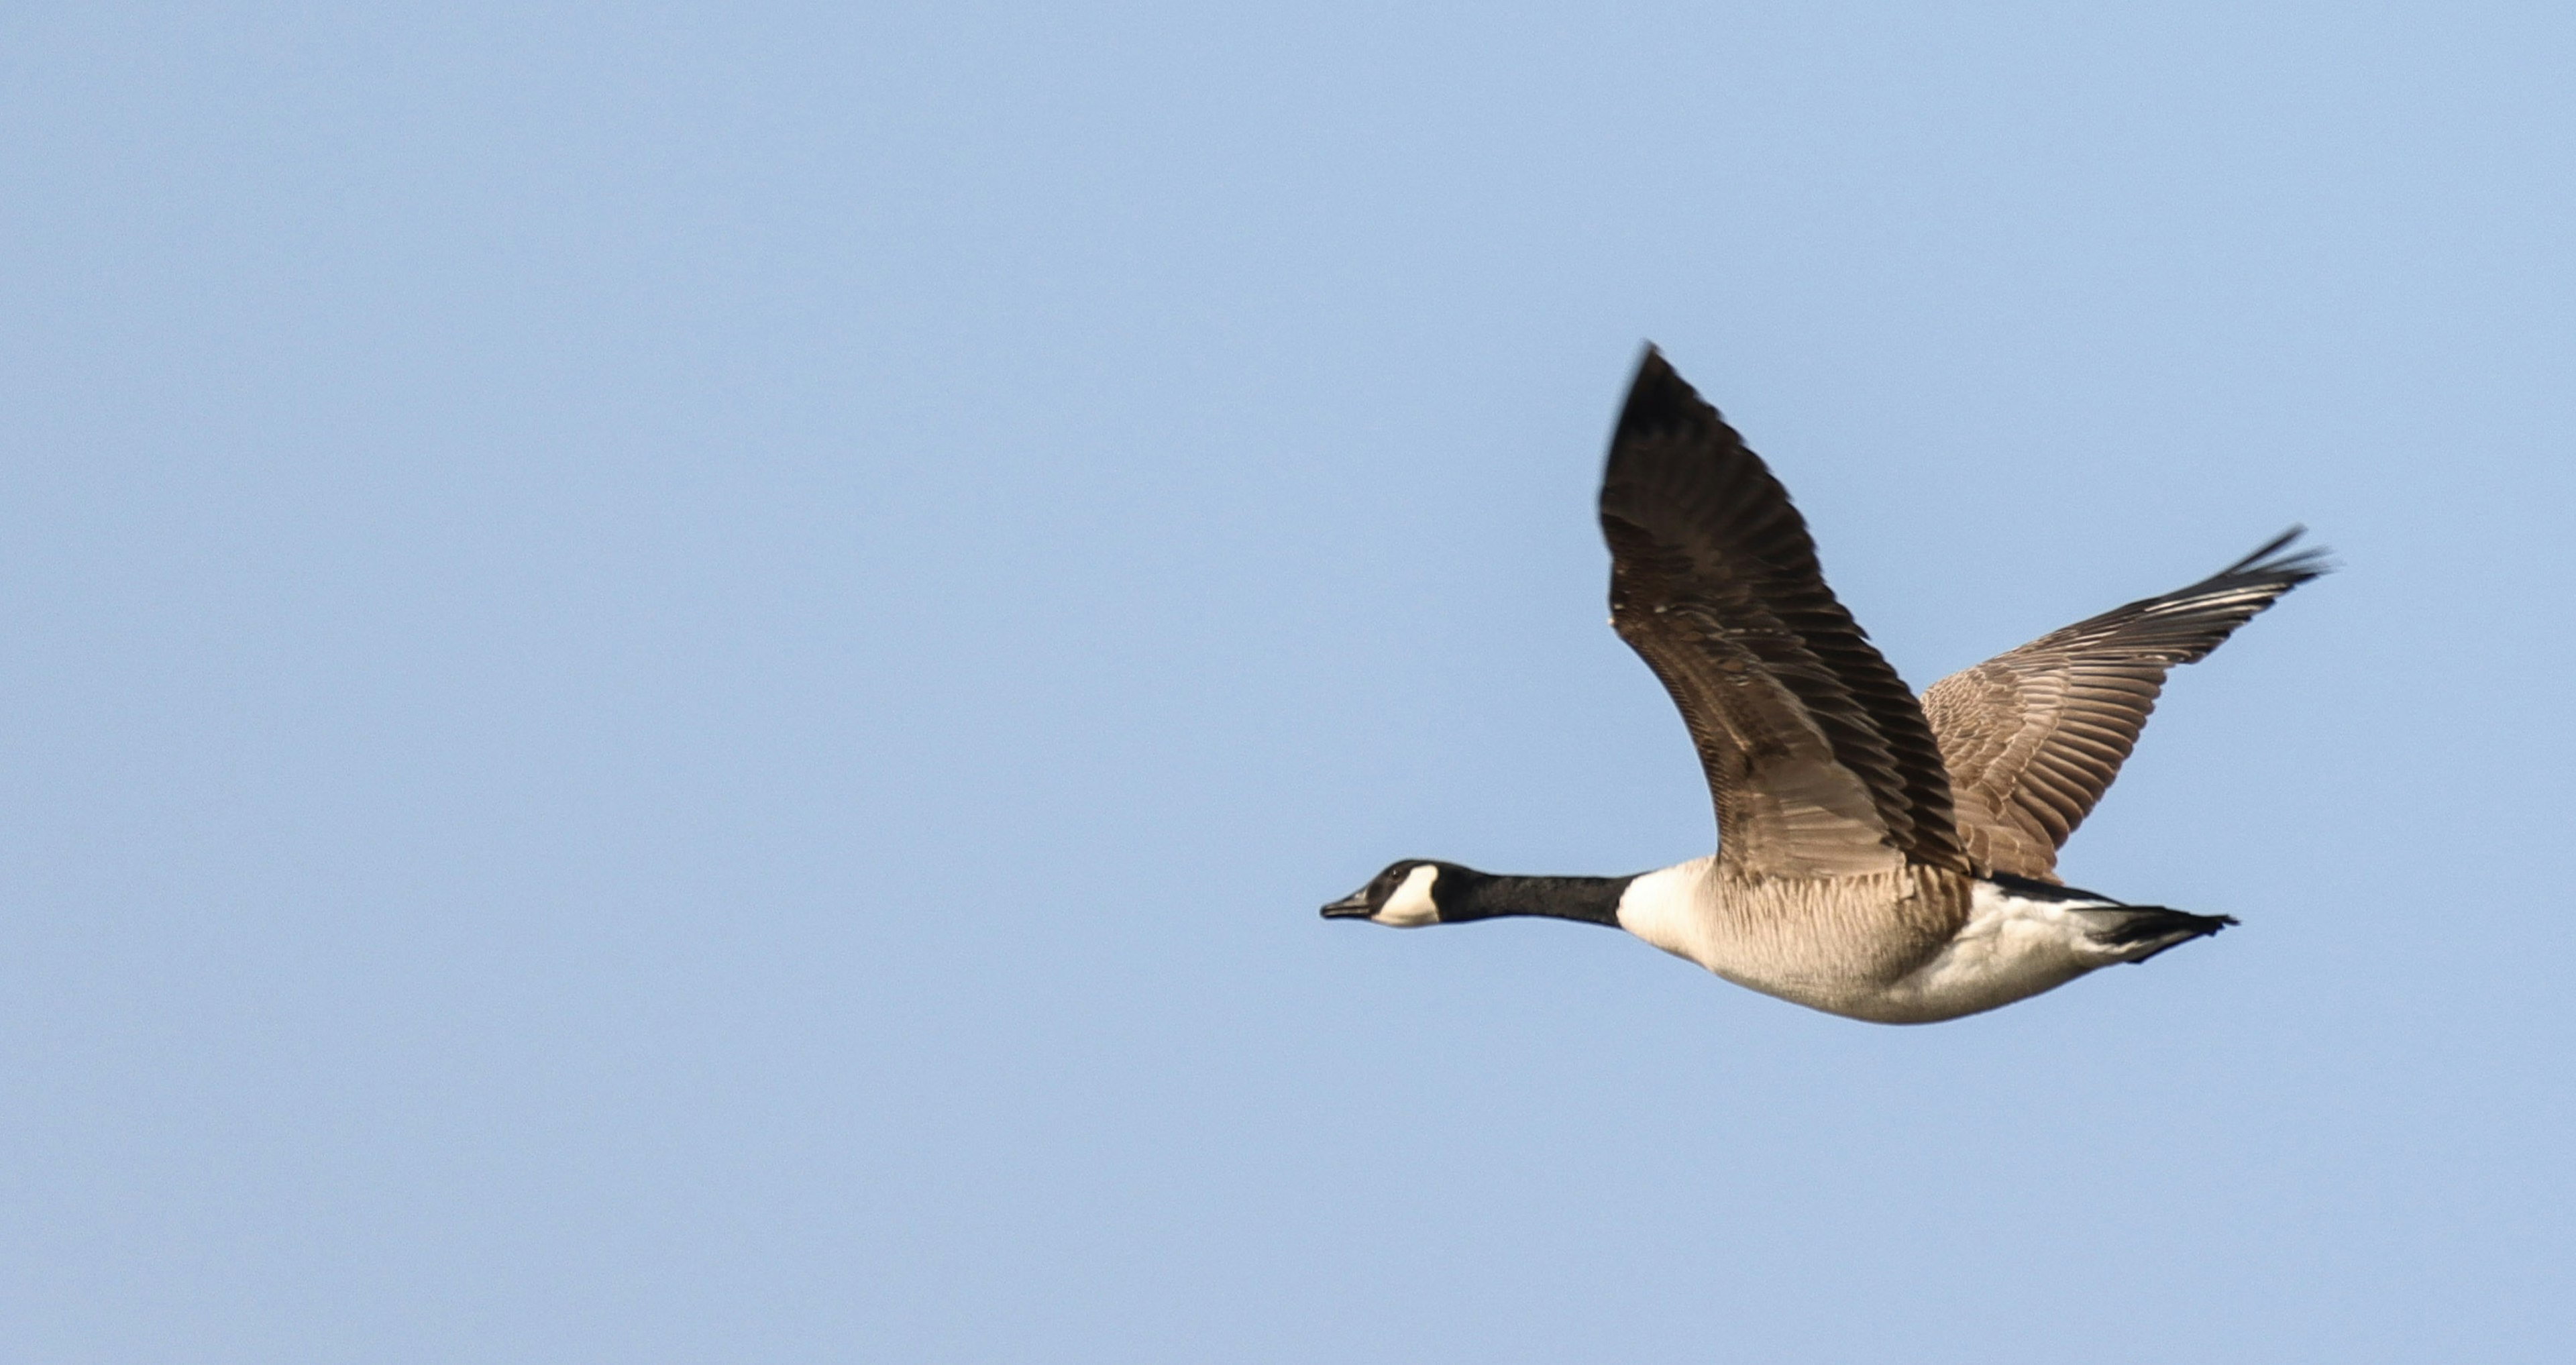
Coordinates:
<point>1879,856</point>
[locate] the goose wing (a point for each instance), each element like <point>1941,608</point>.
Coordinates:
<point>2033,737</point>
<point>1817,755</point>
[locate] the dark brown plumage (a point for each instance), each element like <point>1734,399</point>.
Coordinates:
<point>1820,760</point>
<point>1878,857</point>
<point>1818,756</point>
<point>2033,737</point>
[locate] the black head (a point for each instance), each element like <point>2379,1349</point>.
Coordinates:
<point>1403,896</point>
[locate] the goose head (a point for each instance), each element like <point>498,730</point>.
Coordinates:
<point>1403,896</point>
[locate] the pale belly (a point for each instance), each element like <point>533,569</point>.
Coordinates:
<point>1865,957</point>
<point>2011,949</point>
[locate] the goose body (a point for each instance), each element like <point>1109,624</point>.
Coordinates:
<point>1879,856</point>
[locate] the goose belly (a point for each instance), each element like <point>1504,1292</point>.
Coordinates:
<point>2013,947</point>
<point>1834,944</point>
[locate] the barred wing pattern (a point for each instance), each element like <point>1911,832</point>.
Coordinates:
<point>1818,756</point>
<point>2032,738</point>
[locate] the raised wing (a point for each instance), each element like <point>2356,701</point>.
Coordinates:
<point>2034,737</point>
<point>1818,756</point>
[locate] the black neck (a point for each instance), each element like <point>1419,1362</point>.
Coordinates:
<point>1464,894</point>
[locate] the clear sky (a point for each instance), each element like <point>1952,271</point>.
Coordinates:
<point>679,682</point>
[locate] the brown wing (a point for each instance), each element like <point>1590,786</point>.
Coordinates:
<point>1817,754</point>
<point>2034,737</point>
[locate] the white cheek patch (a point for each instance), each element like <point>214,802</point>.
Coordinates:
<point>1410,907</point>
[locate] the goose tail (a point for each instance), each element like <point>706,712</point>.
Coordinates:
<point>2135,933</point>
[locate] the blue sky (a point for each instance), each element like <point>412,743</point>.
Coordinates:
<point>679,682</point>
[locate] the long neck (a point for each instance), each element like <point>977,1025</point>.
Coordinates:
<point>1467,894</point>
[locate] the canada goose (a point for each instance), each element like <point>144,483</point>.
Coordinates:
<point>1878,857</point>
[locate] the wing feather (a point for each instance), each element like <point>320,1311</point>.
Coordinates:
<point>1818,757</point>
<point>2032,738</point>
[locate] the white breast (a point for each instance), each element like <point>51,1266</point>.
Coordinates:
<point>1670,909</point>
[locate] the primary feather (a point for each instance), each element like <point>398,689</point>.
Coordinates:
<point>2034,736</point>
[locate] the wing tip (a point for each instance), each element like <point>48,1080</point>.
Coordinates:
<point>2275,559</point>
<point>1659,399</point>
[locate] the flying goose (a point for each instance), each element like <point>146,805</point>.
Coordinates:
<point>1878,856</point>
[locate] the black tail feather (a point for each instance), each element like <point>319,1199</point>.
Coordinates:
<point>2159,926</point>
